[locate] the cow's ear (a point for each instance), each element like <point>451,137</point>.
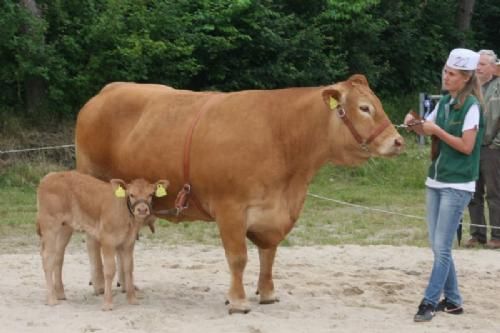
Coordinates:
<point>358,79</point>
<point>332,97</point>
<point>119,187</point>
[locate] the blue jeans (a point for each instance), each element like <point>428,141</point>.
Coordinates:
<point>444,209</point>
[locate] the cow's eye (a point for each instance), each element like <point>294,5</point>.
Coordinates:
<point>365,108</point>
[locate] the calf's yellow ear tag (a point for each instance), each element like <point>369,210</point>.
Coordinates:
<point>333,103</point>
<point>160,191</point>
<point>120,192</point>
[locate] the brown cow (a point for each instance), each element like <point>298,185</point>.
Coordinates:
<point>70,201</point>
<point>249,155</point>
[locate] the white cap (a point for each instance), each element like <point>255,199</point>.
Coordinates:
<point>463,59</point>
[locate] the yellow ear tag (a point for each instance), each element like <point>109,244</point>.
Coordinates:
<point>333,103</point>
<point>160,191</point>
<point>120,192</point>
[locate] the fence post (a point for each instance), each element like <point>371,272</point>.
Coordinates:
<point>421,98</point>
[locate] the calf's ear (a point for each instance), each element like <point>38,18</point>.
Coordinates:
<point>119,187</point>
<point>161,188</point>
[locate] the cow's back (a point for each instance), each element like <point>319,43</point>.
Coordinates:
<point>132,130</point>
<point>118,119</point>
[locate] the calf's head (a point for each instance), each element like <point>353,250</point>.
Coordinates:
<point>367,131</point>
<point>139,194</point>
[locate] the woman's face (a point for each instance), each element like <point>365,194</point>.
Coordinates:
<point>454,80</point>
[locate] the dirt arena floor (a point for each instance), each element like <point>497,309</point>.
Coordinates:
<point>322,289</point>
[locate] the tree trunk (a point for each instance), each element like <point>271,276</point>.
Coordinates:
<point>464,16</point>
<point>34,85</point>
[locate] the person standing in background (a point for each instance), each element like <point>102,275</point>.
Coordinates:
<point>488,183</point>
<point>458,124</point>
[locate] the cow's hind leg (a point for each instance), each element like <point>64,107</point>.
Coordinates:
<point>267,228</point>
<point>232,231</point>
<point>265,286</point>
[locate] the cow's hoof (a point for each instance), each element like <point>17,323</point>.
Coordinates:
<point>240,307</point>
<point>269,300</point>
<point>237,310</point>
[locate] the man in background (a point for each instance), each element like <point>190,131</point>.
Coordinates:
<point>488,183</point>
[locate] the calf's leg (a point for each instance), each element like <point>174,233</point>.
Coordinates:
<point>108,255</point>
<point>127,265</point>
<point>48,254</point>
<point>63,238</point>
<point>96,269</point>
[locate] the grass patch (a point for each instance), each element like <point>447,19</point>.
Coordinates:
<point>395,185</point>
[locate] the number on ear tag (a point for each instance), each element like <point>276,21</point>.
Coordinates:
<point>333,103</point>
<point>120,192</point>
<point>160,191</point>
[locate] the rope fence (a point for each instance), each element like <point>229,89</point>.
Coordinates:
<point>309,194</point>
<point>385,211</point>
<point>34,149</point>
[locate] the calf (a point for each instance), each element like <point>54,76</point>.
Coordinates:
<point>111,213</point>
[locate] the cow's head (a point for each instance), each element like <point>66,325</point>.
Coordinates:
<point>139,194</point>
<point>360,124</point>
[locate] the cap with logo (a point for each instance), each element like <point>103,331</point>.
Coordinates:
<point>463,59</point>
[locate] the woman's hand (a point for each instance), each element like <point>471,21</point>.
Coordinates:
<point>409,118</point>
<point>414,123</point>
<point>424,128</point>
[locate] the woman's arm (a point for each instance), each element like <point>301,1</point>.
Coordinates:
<point>464,144</point>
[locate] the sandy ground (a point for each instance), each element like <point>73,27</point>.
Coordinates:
<point>322,289</point>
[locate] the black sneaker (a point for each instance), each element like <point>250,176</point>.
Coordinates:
<point>449,307</point>
<point>425,312</point>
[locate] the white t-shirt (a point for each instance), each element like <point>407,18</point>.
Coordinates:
<point>471,121</point>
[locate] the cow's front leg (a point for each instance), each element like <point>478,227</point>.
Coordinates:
<point>265,287</point>
<point>232,233</point>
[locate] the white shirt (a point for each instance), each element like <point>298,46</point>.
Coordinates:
<point>471,121</point>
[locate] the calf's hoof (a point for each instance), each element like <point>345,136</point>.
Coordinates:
<point>52,302</point>
<point>107,307</point>
<point>133,301</point>
<point>98,291</point>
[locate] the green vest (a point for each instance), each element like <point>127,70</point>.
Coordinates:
<point>452,166</point>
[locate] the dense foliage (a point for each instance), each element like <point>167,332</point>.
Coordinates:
<point>75,47</point>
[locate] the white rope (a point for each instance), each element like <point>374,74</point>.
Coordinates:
<point>364,207</point>
<point>34,149</point>
<point>386,211</point>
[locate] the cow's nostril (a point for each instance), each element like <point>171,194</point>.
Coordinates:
<point>398,142</point>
